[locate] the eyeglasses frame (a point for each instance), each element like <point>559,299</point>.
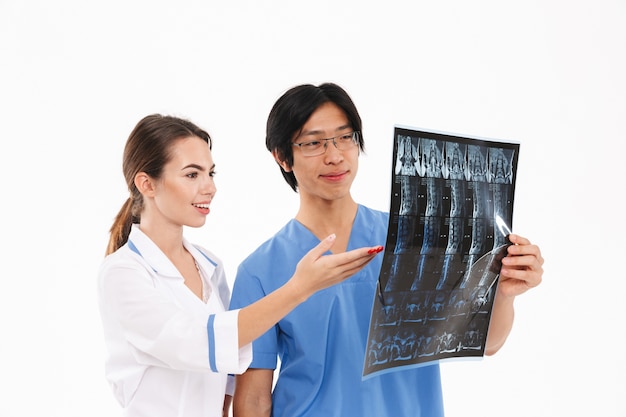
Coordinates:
<point>355,141</point>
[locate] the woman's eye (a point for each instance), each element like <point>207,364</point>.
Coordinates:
<point>192,175</point>
<point>212,173</point>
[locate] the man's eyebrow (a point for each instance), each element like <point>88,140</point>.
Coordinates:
<point>319,132</point>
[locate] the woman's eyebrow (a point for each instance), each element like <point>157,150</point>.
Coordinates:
<point>198,167</point>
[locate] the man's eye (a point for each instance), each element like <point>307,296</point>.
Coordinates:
<point>312,144</point>
<point>346,137</point>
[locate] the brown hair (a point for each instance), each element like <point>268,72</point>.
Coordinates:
<point>147,150</point>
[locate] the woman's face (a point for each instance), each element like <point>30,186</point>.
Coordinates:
<point>184,192</point>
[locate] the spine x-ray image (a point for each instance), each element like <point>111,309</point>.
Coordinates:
<point>451,211</point>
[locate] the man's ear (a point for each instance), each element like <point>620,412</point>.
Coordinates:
<point>278,158</point>
<point>144,184</point>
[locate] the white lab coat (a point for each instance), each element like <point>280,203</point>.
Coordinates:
<point>169,353</point>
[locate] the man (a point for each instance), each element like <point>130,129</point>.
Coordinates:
<point>314,134</point>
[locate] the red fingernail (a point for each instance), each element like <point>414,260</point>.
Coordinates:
<point>377,249</point>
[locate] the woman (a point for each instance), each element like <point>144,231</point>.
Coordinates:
<point>171,341</point>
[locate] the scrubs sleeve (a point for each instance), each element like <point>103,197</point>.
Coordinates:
<point>246,290</point>
<point>230,385</point>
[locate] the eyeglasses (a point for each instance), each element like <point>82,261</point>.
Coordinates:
<point>317,147</point>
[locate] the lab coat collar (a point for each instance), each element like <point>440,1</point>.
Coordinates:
<point>140,243</point>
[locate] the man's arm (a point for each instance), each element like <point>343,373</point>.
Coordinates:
<point>253,393</point>
<point>227,402</point>
<point>522,269</point>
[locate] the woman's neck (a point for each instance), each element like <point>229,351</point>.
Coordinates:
<point>168,238</point>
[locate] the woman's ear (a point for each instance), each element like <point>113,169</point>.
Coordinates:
<point>278,158</point>
<point>144,184</point>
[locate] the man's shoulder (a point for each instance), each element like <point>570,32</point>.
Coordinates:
<point>270,265</point>
<point>384,215</point>
<point>373,217</point>
<point>277,243</point>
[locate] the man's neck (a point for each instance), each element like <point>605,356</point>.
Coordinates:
<point>325,217</point>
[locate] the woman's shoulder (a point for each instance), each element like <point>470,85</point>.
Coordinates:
<point>124,258</point>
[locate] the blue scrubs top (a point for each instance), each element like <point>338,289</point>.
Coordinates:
<point>321,343</point>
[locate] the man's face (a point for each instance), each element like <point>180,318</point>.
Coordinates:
<point>328,176</point>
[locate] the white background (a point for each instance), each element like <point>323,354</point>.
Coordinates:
<point>76,76</point>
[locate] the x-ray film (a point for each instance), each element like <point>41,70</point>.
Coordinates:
<point>450,216</point>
